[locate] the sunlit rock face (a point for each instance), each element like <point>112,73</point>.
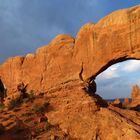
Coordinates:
<point>135,94</point>
<point>113,39</point>
<point>50,66</point>
<point>64,67</point>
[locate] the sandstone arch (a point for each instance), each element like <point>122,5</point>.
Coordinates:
<point>113,39</point>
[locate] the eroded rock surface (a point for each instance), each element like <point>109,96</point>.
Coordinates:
<point>126,101</point>
<point>113,39</point>
<point>135,94</point>
<point>64,67</point>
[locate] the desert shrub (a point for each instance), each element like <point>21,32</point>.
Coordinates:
<point>15,103</point>
<point>2,128</point>
<point>30,96</point>
<point>47,126</point>
<point>19,100</point>
<point>2,106</point>
<point>40,108</point>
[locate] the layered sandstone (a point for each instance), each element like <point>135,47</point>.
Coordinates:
<point>135,94</point>
<point>50,66</point>
<point>87,117</point>
<point>113,39</point>
<point>66,67</point>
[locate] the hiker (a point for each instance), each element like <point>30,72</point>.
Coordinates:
<point>3,91</point>
<point>22,90</point>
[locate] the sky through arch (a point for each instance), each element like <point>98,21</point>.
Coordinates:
<point>118,79</point>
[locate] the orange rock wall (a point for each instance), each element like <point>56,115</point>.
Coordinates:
<point>114,38</point>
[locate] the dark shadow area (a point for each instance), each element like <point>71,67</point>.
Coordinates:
<point>16,133</point>
<point>136,108</point>
<point>90,89</point>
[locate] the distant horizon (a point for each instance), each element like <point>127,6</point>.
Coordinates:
<point>119,79</point>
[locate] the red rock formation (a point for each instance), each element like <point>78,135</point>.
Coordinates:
<point>126,101</point>
<point>63,68</point>
<point>117,103</point>
<point>50,66</point>
<point>135,94</point>
<point>113,39</point>
<point>83,118</point>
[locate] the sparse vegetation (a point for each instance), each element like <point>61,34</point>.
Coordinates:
<point>15,103</point>
<point>30,96</point>
<point>2,129</point>
<point>47,126</point>
<point>40,108</point>
<point>2,106</point>
<point>19,100</point>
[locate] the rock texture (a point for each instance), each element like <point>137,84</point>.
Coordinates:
<point>113,39</point>
<point>126,101</point>
<point>66,67</point>
<point>117,103</point>
<point>86,117</point>
<point>78,115</point>
<point>50,66</point>
<point>135,94</point>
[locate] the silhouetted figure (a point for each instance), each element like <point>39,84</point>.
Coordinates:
<point>22,90</point>
<point>3,91</point>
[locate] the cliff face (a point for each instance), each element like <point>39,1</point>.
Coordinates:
<point>50,66</point>
<point>113,39</point>
<point>64,67</point>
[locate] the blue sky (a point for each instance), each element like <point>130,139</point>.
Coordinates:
<point>27,24</point>
<point>117,80</point>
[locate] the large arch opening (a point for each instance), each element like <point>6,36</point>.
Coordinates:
<point>117,80</point>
